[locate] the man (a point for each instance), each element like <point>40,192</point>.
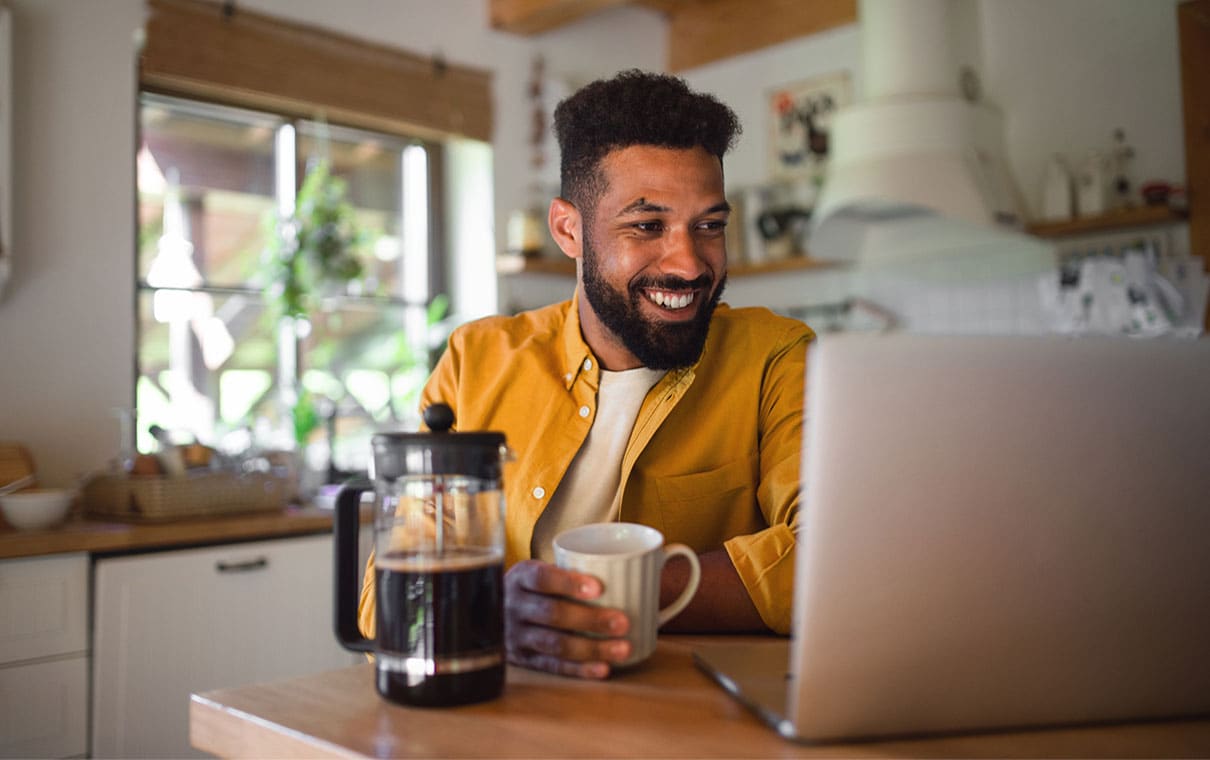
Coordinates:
<point>642,398</point>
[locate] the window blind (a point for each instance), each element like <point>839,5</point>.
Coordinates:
<point>220,52</point>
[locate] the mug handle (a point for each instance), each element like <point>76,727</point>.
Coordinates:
<point>695,577</point>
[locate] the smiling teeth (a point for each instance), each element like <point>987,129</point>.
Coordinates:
<point>670,300</point>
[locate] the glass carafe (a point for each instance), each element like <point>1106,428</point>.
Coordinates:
<point>439,564</point>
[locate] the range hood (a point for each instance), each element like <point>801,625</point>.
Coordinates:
<point>918,153</point>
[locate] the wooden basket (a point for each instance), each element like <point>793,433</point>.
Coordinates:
<point>194,495</point>
<point>15,463</point>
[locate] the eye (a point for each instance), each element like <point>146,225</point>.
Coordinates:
<point>652,226</point>
<point>712,225</point>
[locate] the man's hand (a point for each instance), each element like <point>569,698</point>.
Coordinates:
<point>549,627</point>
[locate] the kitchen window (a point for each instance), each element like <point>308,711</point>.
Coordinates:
<point>215,360</point>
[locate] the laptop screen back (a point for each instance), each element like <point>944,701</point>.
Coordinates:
<point>1001,532</point>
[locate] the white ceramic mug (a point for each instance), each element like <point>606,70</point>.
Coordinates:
<point>628,559</point>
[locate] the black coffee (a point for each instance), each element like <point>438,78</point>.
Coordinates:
<point>440,638</point>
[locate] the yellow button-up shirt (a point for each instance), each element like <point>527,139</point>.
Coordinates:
<point>713,459</point>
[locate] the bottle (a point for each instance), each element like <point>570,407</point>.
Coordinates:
<point>1091,185</point>
<point>1057,191</point>
<point>1122,187</point>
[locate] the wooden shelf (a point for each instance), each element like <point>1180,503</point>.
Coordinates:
<point>514,265</point>
<point>1140,216</point>
<point>794,264</point>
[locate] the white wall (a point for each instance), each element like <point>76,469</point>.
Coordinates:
<point>1066,72</point>
<point>67,321</point>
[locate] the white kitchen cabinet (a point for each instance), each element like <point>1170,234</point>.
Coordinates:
<point>44,708</point>
<point>170,623</point>
<point>44,656</point>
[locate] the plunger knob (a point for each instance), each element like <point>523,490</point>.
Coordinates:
<point>439,418</point>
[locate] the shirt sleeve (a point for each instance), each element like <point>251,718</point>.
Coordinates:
<point>765,560</point>
<point>765,563</point>
<point>366,622</point>
<point>442,384</point>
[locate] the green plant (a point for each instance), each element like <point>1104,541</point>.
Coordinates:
<point>402,356</point>
<point>313,247</point>
<point>305,417</point>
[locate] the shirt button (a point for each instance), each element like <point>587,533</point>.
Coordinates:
<point>588,365</point>
<point>567,377</point>
<point>539,492</point>
<point>585,411</point>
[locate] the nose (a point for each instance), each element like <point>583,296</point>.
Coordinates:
<point>684,255</point>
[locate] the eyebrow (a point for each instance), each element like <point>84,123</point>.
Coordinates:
<point>643,206</point>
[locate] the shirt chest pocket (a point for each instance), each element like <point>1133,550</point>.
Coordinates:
<point>703,509</point>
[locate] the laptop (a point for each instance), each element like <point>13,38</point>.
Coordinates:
<point>994,533</point>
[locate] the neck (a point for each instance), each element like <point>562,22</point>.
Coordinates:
<point>607,347</point>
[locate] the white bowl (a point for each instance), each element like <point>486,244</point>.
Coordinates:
<point>36,508</point>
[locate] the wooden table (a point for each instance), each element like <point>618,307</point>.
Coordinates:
<point>664,709</point>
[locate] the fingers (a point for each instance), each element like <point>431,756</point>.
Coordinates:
<point>545,578</point>
<point>546,595</point>
<point>566,644</point>
<point>549,628</point>
<point>563,653</point>
<point>565,614</point>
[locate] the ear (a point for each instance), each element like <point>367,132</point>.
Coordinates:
<point>566,227</point>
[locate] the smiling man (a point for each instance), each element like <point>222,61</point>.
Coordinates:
<point>643,398</point>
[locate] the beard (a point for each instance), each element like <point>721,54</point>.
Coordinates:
<point>655,343</point>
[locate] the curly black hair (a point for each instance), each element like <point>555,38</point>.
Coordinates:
<point>633,108</point>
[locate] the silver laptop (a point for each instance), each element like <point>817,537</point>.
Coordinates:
<point>994,533</point>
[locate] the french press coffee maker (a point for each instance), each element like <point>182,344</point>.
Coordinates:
<point>438,564</point>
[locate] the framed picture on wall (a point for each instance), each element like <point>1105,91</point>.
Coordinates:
<point>800,118</point>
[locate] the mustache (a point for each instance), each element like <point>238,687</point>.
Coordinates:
<point>672,283</point>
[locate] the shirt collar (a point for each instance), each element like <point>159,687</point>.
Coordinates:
<point>575,351</point>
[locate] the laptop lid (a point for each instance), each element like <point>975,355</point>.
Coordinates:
<point>1000,532</point>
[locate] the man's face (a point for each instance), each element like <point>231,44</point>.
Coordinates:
<point>654,259</point>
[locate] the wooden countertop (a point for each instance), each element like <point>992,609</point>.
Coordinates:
<point>81,534</point>
<point>666,708</point>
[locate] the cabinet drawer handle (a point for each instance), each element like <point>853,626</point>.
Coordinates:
<point>246,566</point>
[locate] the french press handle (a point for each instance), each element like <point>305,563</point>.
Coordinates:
<point>346,530</point>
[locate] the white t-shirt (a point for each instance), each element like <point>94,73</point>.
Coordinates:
<point>588,492</point>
